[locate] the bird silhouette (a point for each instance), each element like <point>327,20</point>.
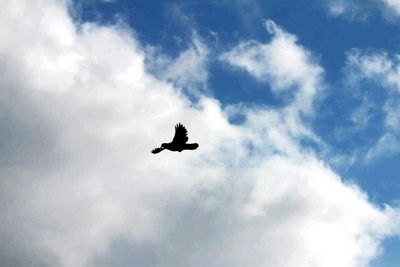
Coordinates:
<point>179,142</point>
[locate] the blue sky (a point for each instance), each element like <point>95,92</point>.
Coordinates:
<point>294,104</point>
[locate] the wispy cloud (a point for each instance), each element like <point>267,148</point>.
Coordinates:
<point>189,70</point>
<point>358,9</point>
<point>384,71</point>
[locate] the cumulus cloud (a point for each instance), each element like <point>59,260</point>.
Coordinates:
<point>79,187</point>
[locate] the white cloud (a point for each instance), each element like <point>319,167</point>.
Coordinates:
<point>80,114</point>
<point>363,65</point>
<point>284,64</point>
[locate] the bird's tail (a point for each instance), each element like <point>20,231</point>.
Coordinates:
<point>191,146</point>
<point>157,150</point>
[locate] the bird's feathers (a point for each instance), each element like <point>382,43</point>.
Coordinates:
<point>180,134</point>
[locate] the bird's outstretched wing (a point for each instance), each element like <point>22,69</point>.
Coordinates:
<point>180,134</point>
<point>157,150</point>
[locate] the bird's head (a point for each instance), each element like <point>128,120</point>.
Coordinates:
<point>163,145</point>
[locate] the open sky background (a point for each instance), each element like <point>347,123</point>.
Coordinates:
<point>295,105</point>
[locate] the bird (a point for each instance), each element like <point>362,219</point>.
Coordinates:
<point>179,142</point>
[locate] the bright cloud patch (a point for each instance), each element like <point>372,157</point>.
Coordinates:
<point>394,5</point>
<point>79,185</point>
<point>282,62</point>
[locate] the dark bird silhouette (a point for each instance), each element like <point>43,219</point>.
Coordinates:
<point>179,142</point>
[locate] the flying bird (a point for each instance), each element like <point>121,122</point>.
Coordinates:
<point>179,143</point>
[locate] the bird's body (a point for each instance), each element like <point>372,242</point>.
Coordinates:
<point>179,143</point>
<point>179,147</point>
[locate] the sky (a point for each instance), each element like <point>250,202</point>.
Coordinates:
<point>294,105</point>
